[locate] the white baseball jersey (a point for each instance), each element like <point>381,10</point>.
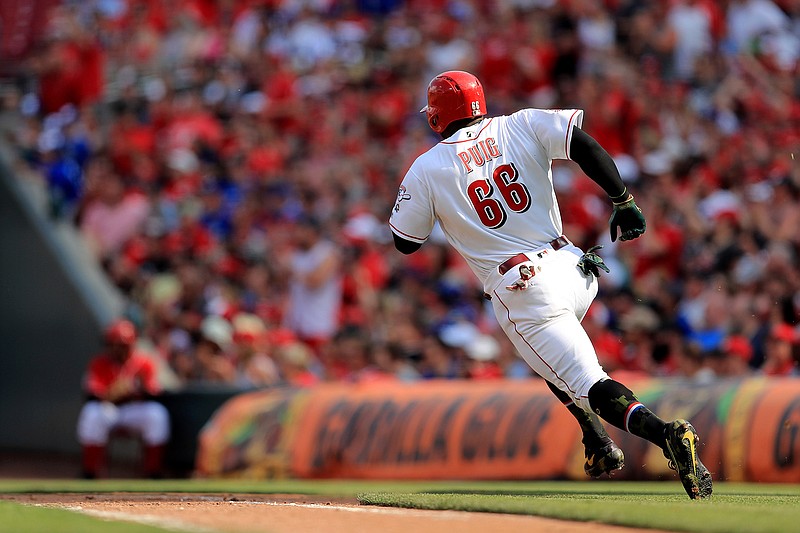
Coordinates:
<point>490,186</point>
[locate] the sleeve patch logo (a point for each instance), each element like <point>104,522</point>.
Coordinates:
<point>402,194</point>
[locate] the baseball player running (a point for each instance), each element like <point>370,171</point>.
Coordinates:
<point>489,184</point>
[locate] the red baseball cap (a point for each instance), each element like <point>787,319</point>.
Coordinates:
<point>121,332</point>
<point>739,346</point>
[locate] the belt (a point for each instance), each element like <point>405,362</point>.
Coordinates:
<point>556,244</point>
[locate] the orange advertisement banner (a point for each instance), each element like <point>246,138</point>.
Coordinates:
<point>452,430</point>
<point>749,431</point>
<point>250,435</point>
<point>773,446</point>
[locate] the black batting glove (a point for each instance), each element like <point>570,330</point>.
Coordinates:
<point>628,219</point>
<point>591,263</point>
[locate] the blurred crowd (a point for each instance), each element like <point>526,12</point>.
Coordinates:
<point>233,163</point>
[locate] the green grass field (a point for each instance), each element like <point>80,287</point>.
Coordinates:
<point>734,507</point>
<point>19,518</point>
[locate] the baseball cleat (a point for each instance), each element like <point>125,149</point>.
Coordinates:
<point>603,460</point>
<point>681,450</point>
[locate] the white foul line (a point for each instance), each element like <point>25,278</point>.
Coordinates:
<point>148,520</point>
<point>424,513</point>
<point>179,525</point>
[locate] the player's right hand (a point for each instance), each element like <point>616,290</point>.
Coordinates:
<point>591,264</point>
<point>628,219</point>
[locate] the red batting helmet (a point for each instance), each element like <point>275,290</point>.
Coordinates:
<point>453,95</point>
<point>121,332</point>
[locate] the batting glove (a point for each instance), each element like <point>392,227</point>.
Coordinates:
<point>591,263</point>
<point>627,218</point>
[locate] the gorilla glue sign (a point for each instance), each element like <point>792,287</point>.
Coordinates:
<point>495,429</point>
<point>440,430</point>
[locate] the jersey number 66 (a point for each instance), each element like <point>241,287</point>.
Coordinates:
<point>490,210</point>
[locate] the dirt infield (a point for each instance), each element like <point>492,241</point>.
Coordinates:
<point>216,513</point>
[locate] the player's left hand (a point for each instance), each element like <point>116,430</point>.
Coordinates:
<point>591,263</point>
<point>627,217</point>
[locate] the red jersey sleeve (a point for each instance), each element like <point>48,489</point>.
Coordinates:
<point>103,373</point>
<point>146,375</point>
<point>99,376</point>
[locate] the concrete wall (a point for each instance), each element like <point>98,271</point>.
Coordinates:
<point>51,317</point>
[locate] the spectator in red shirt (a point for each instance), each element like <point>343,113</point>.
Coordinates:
<point>72,66</point>
<point>120,385</point>
<point>737,352</point>
<point>780,347</point>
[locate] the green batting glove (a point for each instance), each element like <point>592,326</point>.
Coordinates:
<point>628,219</point>
<point>591,263</point>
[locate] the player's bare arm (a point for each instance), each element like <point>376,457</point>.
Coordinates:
<point>598,165</point>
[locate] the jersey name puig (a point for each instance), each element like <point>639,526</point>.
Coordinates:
<point>479,153</point>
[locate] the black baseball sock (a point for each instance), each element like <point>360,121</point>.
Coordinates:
<point>615,403</point>
<point>594,434</point>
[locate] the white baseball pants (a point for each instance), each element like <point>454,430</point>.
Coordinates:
<point>97,419</point>
<point>544,320</point>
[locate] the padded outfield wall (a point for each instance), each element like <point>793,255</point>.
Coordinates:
<point>749,429</point>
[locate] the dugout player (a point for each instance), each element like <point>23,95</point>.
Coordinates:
<point>120,385</point>
<point>489,185</point>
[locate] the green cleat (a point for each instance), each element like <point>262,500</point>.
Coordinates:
<point>681,450</point>
<point>603,460</point>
